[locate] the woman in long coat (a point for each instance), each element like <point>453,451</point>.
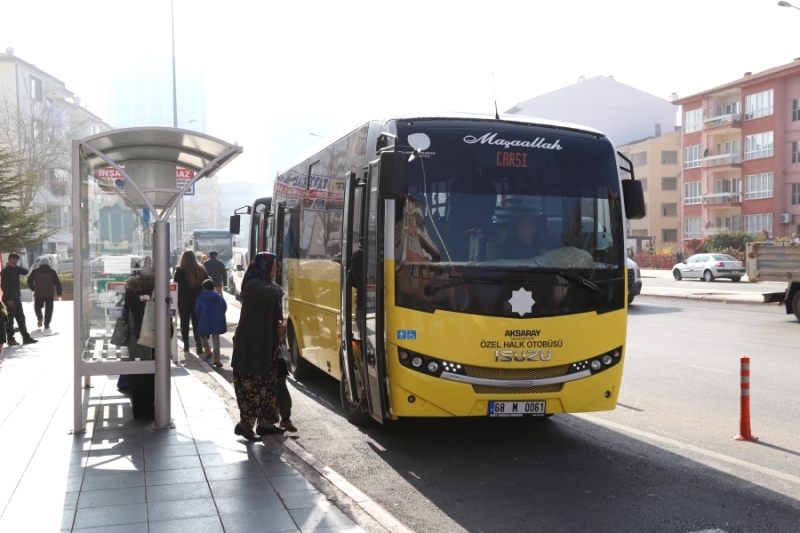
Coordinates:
<point>260,329</point>
<point>189,277</point>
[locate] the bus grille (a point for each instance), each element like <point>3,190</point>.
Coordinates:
<point>483,389</point>
<point>516,373</point>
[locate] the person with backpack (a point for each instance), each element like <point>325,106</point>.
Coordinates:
<point>210,310</point>
<point>45,284</point>
<point>9,282</point>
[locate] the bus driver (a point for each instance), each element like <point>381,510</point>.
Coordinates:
<point>525,238</point>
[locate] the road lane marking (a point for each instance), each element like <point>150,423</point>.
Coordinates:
<point>688,447</point>
<point>712,369</point>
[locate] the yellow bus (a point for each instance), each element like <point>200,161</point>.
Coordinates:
<point>457,265</point>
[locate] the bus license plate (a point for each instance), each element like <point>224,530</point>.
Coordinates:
<point>513,409</point>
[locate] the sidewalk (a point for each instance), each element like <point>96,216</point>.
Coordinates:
<point>122,476</point>
<point>703,291</point>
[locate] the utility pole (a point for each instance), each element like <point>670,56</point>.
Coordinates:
<point>179,210</point>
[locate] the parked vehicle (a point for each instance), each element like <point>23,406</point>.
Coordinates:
<point>60,264</point>
<point>777,261</point>
<point>709,267</point>
<point>236,269</point>
<point>634,280</point>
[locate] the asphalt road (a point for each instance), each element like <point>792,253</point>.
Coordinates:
<point>664,460</point>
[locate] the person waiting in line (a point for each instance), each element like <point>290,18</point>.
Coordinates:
<point>9,283</point>
<point>3,320</point>
<point>46,285</point>
<point>524,239</point>
<point>210,310</point>
<point>189,277</point>
<point>255,349</point>
<point>216,269</point>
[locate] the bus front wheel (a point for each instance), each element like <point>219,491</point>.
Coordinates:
<point>299,367</point>
<point>355,412</point>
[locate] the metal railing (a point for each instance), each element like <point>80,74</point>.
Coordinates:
<point>731,119</point>
<point>723,159</point>
<point>722,198</point>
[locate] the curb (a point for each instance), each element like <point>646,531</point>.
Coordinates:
<point>367,504</point>
<point>709,297</point>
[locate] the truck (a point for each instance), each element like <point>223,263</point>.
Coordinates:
<point>777,261</point>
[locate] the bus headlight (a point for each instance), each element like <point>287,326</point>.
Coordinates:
<point>607,359</point>
<point>433,367</point>
<point>595,364</point>
<point>416,361</point>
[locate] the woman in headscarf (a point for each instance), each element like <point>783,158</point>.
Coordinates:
<point>189,277</point>
<point>260,329</point>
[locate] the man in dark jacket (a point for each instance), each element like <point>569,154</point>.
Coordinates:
<point>216,269</point>
<point>45,284</point>
<point>9,282</point>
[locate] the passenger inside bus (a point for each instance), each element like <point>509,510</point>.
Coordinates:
<point>470,210</point>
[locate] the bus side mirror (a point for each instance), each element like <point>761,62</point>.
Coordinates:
<point>234,225</point>
<point>390,186</point>
<point>633,196</point>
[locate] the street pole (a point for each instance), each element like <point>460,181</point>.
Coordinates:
<point>179,210</point>
<point>163,324</point>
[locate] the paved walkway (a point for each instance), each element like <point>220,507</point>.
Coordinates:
<point>121,476</point>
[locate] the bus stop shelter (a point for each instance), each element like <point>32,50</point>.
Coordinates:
<point>126,185</point>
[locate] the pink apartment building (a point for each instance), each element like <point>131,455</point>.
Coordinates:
<point>741,156</point>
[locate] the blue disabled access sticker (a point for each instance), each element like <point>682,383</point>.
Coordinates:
<point>406,334</point>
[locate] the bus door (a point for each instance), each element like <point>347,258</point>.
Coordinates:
<point>364,218</point>
<point>276,238</point>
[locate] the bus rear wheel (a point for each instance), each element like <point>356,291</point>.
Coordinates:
<point>299,367</point>
<point>355,412</point>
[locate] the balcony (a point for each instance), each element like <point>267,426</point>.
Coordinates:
<point>724,160</point>
<point>729,122</point>
<point>723,198</point>
<point>715,230</point>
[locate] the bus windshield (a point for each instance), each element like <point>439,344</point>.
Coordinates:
<point>205,242</point>
<point>492,204</point>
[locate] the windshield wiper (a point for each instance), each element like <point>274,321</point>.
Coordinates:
<point>431,289</point>
<point>580,280</point>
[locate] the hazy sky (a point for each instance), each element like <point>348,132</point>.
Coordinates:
<point>362,60</point>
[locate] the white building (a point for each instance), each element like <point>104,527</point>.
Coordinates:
<point>39,117</point>
<point>623,113</point>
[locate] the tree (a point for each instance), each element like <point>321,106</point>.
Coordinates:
<point>38,135</point>
<point>20,227</point>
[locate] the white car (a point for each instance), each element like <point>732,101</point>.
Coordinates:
<point>634,280</point>
<point>709,267</point>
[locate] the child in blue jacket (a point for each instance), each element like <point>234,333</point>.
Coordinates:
<point>210,310</point>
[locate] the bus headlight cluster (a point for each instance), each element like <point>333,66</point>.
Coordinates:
<point>597,364</point>
<point>427,365</point>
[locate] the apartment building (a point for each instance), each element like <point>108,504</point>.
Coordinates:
<point>39,118</point>
<point>657,164</point>
<point>741,156</point>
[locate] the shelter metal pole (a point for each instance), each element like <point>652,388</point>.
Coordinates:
<point>163,322</point>
<point>77,392</point>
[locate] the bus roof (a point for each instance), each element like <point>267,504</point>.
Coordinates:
<point>518,119</point>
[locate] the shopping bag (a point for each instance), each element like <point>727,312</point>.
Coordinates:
<point>147,337</point>
<point>120,335</point>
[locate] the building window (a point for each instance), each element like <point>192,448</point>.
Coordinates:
<point>758,186</point>
<point>795,109</point>
<point>692,193</point>
<point>758,145</point>
<point>691,228</point>
<point>795,151</point>
<point>669,210</point>
<point>639,159</point>
<point>669,184</point>
<point>36,89</point>
<point>644,184</point>
<point>692,156</point>
<point>669,235</point>
<point>795,193</point>
<point>692,120</point>
<point>669,157</point>
<point>755,224</point>
<point>758,105</point>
